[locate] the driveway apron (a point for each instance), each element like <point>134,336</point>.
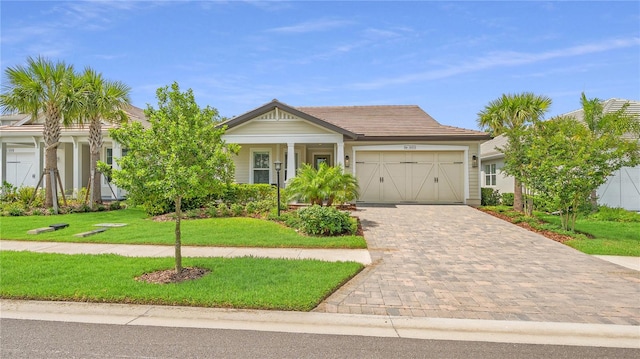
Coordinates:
<point>458,262</point>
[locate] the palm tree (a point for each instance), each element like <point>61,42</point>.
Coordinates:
<point>509,115</point>
<point>42,88</point>
<point>330,183</point>
<point>101,100</point>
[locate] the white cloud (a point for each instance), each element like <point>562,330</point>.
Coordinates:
<point>311,26</point>
<point>501,58</point>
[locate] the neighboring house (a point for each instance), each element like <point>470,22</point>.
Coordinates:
<point>22,152</point>
<point>398,153</point>
<point>621,190</point>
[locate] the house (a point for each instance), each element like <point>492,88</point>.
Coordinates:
<point>621,189</point>
<point>22,152</point>
<point>398,153</point>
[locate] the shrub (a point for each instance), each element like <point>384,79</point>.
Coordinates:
<point>37,212</point>
<point>507,199</point>
<point>326,221</point>
<point>115,205</point>
<point>489,197</point>
<point>7,192</point>
<point>236,209</point>
<point>615,215</point>
<point>15,209</point>
<point>223,210</point>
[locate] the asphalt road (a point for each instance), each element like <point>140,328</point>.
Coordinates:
<point>42,339</point>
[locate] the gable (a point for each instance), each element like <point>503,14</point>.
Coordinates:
<point>277,122</point>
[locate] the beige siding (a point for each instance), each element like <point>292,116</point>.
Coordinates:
<point>272,127</point>
<point>243,162</point>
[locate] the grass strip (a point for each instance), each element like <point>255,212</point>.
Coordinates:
<point>251,283</point>
<point>220,232</point>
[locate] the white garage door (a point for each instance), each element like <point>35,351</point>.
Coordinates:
<point>21,170</point>
<point>425,177</point>
<point>622,189</point>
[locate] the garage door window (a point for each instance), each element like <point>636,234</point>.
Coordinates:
<point>490,175</point>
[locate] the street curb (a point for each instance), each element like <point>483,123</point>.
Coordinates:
<point>550,333</point>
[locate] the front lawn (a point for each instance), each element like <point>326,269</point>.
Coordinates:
<point>233,231</point>
<point>257,283</point>
<point>610,238</point>
<point>593,236</point>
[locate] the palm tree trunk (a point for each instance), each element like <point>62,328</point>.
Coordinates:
<point>178,249</point>
<point>95,144</point>
<point>517,195</point>
<point>51,134</point>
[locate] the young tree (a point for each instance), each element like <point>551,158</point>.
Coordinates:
<point>42,87</point>
<point>182,154</point>
<point>101,100</point>
<point>510,115</point>
<point>566,160</point>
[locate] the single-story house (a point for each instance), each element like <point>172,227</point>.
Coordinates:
<point>22,152</point>
<point>621,189</point>
<point>397,153</point>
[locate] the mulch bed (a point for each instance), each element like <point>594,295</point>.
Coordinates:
<point>170,275</point>
<point>551,235</point>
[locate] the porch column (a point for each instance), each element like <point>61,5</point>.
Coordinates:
<point>291,161</point>
<point>340,154</point>
<point>3,162</point>
<point>117,153</point>
<point>77,165</point>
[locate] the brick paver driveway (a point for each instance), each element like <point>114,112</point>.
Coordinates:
<point>457,262</point>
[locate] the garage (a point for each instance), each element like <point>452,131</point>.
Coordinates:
<point>411,176</point>
<point>21,170</point>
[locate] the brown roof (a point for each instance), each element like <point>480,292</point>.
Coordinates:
<point>389,121</point>
<point>402,122</point>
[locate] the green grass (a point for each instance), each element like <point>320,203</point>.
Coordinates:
<point>257,283</point>
<point>610,238</point>
<point>233,232</point>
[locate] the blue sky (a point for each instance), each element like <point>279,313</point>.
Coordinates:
<point>450,58</point>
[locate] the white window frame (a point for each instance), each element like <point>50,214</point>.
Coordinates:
<point>251,161</point>
<point>490,174</point>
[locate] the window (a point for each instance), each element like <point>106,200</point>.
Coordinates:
<point>261,163</point>
<point>490,175</point>
<point>109,157</point>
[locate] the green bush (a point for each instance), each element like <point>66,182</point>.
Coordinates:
<point>489,197</point>
<point>8,192</point>
<point>115,205</point>
<point>15,209</point>
<point>242,193</point>
<point>223,210</point>
<point>326,221</point>
<point>605,213</point>
<point>506,199</point>
<point>236,209</point>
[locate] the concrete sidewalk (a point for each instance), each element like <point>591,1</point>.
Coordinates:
<point>499,331</point>
<point>140,250</point>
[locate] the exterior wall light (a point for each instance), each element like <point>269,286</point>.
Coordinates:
<point>346,161</point>
<point>474,161</point>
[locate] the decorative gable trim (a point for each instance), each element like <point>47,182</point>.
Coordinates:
<point>275,110</point>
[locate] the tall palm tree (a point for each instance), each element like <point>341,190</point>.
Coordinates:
<point>102,100</point>
<point>509,115</point>
<point>42,87</point>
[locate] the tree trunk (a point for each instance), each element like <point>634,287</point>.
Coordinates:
<point>51,162</point>
<point>178,243</point>
<point>95,144</point>
<point>51,135</point>
<point>517,195</point>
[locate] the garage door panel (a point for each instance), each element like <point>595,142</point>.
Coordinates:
<point>422,182</point>
<point>394,183</point>
<point>368,180</point>
<point>450,182</point>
